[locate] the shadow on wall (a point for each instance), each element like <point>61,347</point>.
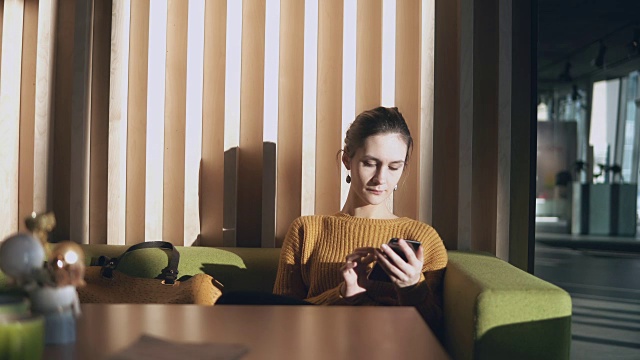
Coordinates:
<point>230,197</point>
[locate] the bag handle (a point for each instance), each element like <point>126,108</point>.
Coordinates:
<point>169,274</point>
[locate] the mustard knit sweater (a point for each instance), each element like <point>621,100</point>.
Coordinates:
<point>315,249</point>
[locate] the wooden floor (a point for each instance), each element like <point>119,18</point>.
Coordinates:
<point>605,289</point>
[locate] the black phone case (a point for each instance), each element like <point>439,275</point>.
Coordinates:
<point>378,273</point>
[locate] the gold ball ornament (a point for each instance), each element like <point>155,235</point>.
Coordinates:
<point>66,262</point>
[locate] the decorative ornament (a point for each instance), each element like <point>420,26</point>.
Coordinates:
<point>66,263</point>
<point>41,225</point>
<point>51,285</point>
<point>21,256</point>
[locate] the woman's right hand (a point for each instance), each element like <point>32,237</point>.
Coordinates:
<point>354,271</point>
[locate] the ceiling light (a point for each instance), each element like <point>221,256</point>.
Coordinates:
<point>599,60</point>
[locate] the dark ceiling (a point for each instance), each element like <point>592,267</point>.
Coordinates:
<point>572,31</point>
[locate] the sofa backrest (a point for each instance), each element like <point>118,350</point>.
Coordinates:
<point>235,268</point>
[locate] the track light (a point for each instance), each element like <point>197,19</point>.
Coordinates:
<point>575,94</point>
<point>634,45</point>
<point>599,60</point>
<point>565,75</point>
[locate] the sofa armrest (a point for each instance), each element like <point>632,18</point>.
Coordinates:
<point>494,310</point>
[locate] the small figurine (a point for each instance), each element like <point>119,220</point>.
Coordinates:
<point>41,225</point>
<point>49,273</point>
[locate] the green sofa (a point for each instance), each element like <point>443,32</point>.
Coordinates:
<point>492,309</point>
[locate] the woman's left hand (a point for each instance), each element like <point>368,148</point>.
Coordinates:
<point>402,273</point>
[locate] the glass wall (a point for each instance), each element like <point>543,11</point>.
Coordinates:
<point>588,152</point>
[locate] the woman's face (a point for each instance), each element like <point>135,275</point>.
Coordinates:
<point>376,168</point>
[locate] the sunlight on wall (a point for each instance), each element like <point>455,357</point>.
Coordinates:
<point>348,82</point>
<point>271,62</point>
<point>117,178</point>
<point>155,119</point>
<point>233,75</point>
<point>388,52</point>
<point>193,148</point>
<point>309,107</point>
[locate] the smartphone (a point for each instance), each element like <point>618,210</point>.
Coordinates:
<point>378,273</point>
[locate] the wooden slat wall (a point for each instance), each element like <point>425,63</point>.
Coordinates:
<point>369,55</point>
<point>43,105</point>
<point>124,124</point>
<point>249,226</point>
<point>62,115</point>
<point>329,105</point>
<point>116,178</point>
<point>425,205</point>
<point>175,121</point>
<point>80,127</point>
<point>408,46</point>
<point>27,111</point>
<point>100,90</point>
<point>212,174</point>
<point>137,124</point>
<point>289,184</point>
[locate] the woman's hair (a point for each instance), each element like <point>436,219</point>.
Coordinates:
<point>381,120</point>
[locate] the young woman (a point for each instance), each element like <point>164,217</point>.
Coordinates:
<point>326,259</point>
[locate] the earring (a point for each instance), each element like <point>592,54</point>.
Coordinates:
<point>348,179</point>
<point>395,188</point>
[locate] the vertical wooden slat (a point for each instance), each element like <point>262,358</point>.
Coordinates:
<point>369,55</point>
<point>116,185</point>
<point>485,127</point>
<point>27,111</point>
<point>175,122</point>
<point>503,158</point>
<point>193,126</point>
<point>62,130</point>
<point>212,176</point>
<point>80,127</point>
<point>44,105</point>
<point>523,153</point>
<point>289,181</point>
<point>137,122</point>
<point>407,197</point>
<point>249,228</point>
<point>329,105</point>
<point>425,209</point>
<point>99,148</point>
<point>464,137</point>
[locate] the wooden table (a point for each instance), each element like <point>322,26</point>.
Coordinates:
<point>270,332</point>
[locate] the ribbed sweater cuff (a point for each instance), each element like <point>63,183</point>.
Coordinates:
<point>413,295</point>
<point>333,297</point>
